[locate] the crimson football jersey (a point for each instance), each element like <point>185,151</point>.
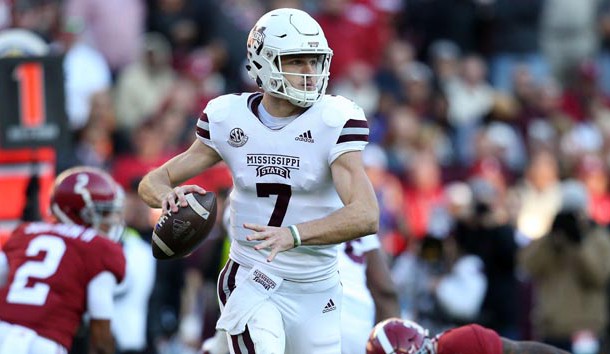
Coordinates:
<point>470,339</point>
<point>50,267</point>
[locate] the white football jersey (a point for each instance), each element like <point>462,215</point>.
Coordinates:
<point>282,177</point>
<point>358,311</point>
<point>352,267</point>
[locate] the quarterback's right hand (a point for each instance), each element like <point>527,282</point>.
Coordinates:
<point>175,199</point>
<point>277,239</point>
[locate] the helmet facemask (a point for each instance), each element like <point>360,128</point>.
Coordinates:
<point>106,217</point>
<point>311,86</point>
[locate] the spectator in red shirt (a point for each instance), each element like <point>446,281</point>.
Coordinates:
<point>594,175</point>
<point>423,193</point>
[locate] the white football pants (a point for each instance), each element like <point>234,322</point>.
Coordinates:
<point>21,340</point>
<point>298,318</point>
<point>357,321</point>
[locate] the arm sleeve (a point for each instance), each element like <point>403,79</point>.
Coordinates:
<point>370,242</point>
<point>100,293</point>
<point>129,319</point>
<point>3,269</point>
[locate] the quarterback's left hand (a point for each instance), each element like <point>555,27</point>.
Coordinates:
<point>278,239</point>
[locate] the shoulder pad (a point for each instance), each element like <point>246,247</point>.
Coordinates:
<point>219,108</point>
<point>336,110</point>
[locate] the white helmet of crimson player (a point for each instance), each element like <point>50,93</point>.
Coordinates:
<point>284,32</point>
<point>398,336</point>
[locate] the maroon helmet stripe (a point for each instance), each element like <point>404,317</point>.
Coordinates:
<point>352,137</point>
<point>204,117</point>
<point>204,133</point>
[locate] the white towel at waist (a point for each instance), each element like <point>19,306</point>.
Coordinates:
<point>257,287</point>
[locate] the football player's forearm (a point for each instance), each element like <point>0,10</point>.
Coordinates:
<point>380,284</point>
<point>105,348</point>
<point>350,222</point>
<point>154,186</point>
<point>100,337</point>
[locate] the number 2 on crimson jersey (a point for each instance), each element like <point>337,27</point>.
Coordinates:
<point>20,292</point>
<point>283,192</point>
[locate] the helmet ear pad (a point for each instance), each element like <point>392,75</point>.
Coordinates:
<point>267,71</point>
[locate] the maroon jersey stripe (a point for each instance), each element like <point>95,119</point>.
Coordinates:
<point>356,123</point>
<point>231,267</point>
<point>235,342</point>
<point>248,341</point>
<point>204,117</point>
<point>220,289</point>
<point>204,133</point>
<point>352,137</point>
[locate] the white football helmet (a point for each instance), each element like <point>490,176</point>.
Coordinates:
<point>287,32</point>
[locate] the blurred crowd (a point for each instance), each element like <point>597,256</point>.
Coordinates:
<point>489,147</point>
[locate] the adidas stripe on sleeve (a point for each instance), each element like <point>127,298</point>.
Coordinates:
<point>353,137</point>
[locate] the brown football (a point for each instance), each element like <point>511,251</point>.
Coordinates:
<point>178,234</point>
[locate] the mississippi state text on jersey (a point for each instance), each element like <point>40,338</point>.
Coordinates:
<point>282,177</point>
<point>50,268</point>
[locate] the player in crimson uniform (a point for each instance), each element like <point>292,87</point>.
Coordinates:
<point>52,273</point>
<point>398,336</point>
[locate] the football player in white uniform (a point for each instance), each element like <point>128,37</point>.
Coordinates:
<point>299,190</point>
<point>369,294</point>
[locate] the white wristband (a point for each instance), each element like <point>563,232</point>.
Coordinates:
<point>296,237</point>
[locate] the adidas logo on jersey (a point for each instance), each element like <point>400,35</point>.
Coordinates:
<point>306,137</point>
<point>330,306</point>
